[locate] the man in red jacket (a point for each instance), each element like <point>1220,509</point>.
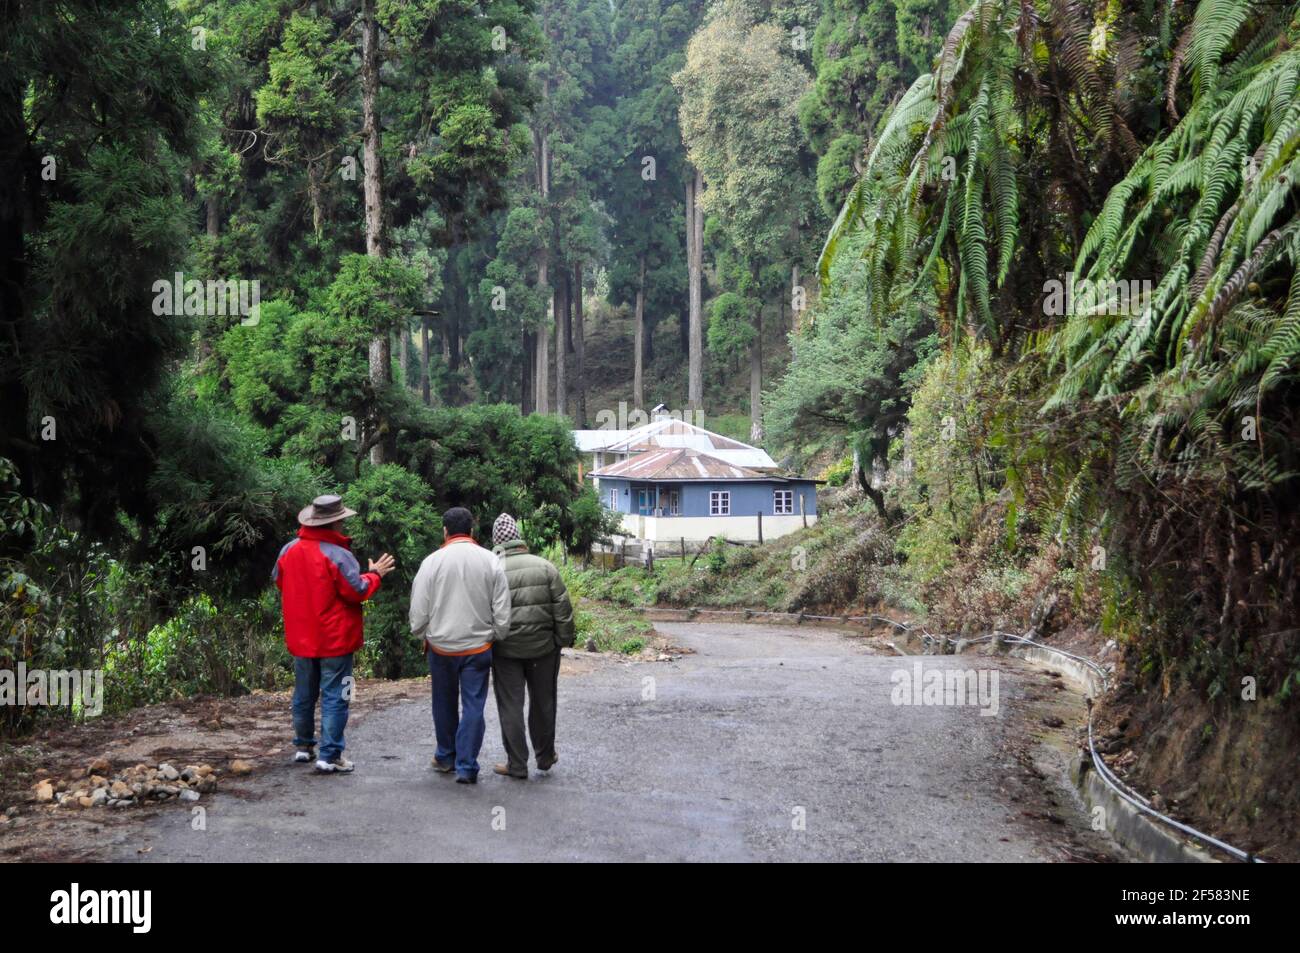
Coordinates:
<point>322,588</point>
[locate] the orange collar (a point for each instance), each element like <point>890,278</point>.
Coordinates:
<point>460,538</point>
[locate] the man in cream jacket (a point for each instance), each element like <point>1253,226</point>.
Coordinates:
<point>460,605</point>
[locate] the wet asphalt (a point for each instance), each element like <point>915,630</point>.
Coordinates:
<point>766,744</point>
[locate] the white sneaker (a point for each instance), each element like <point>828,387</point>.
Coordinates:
<point>339,765</point>
<point>303,755</point>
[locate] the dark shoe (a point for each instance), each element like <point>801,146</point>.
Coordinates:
<point>467,779</point>
<point>504,769</point>
<point>443,767</point>
<point>547,765</point>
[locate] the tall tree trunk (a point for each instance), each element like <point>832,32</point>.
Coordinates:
<point>568,310</point>
<point>459,307</point>
<point>314,197</point>
<point>695,268</point>
<point>638,343</point>
<point>527,372</point>
<point>214,216</point>
<point>381,368</point>
<point>580,345</point>
<point>424,360</point>
<point>374,178</point>
<point>404,354</point>
<point>561,308</point>
<point>542,352</point>
<point>863,475</point>
<point>756,381</point>
<point>544,160</point>
<point>544,366</point>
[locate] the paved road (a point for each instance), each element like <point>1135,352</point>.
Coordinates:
<point>761,726</point>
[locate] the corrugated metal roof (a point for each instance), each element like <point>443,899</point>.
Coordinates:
<point>680,463</point>
<point>670,432</point>
<point>751,457</point>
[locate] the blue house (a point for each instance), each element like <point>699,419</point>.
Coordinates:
<point>675,493</point>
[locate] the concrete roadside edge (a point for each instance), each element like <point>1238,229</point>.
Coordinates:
<point>1147,840</point>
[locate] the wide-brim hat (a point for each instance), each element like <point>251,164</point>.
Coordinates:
<point>324,510</point>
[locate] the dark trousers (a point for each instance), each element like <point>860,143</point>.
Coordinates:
<point>459,729</point>
<point>541,677</point>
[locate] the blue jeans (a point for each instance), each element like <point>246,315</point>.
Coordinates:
<point>459,733</point>
<point>330,680</point>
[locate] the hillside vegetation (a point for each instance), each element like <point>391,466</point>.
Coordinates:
<point>1039,256</point>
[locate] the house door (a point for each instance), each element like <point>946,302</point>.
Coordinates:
<point>645,502</point>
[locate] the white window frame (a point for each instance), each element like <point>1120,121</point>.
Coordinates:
<point>613,498</point>
<point>719,502</point>
<point>782,502</point>
<point>674,507</point>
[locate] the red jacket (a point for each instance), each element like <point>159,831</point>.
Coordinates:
<point>322,588</point>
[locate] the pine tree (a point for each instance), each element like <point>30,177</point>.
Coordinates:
<point>97,128</point>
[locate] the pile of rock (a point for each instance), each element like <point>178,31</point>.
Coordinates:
<point>99,786</point>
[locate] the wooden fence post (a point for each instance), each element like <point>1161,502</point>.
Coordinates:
<point>760,527</point>
<point>683,549</point>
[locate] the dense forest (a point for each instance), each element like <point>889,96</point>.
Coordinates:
<point>1023,275</point>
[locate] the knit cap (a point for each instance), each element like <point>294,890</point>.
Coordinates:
<point>504,529</point>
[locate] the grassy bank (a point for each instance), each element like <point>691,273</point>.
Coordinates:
<point>850,561</point>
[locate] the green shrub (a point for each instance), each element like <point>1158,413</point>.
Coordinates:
<point>395,514</point>
<point>947,458</point>
<point>590,521</point>
<point>716,560</point>
<point>838,473</point>
<point>629,586</point>
<point>201,649</point>
<point>632,646</point>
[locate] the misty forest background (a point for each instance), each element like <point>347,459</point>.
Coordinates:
<point>828,224</point>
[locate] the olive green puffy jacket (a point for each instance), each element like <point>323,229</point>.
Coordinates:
<point>541,615</point>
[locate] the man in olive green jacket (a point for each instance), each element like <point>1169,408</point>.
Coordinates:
<point>541,622</point>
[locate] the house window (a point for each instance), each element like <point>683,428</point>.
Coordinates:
<point>613,499</point>
<point>720,503</point>
<point>674,503</point>
<point>782,502</point>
